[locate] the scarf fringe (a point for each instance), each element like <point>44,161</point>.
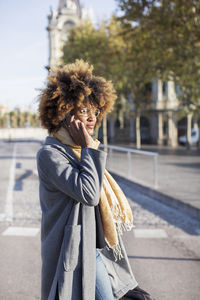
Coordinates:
<point>122,227</point>
<point>117,252</point>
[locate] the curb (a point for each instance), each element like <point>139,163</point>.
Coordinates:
<point>190,210</point>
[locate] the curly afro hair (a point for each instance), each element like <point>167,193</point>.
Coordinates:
<point>68,88</point>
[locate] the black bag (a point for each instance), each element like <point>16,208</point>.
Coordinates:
<point>137,294</point>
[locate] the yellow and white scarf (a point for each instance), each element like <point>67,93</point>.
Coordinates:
<point>115,210</point>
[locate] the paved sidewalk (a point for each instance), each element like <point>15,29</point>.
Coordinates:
<point>178,175</point>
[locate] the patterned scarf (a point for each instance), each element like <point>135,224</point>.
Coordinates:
<point>115,210</point>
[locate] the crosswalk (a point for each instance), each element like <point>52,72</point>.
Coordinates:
<point>33,231</point>
<point>21,231</point>
<point>150,233</point>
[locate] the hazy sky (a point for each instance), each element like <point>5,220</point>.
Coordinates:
<point>24,46</point>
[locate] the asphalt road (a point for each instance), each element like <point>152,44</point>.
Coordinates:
<point>164,247</point>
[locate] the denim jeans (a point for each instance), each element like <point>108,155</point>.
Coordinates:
<point>103,285</point>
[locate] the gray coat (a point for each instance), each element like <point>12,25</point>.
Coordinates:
<point>69,191</point>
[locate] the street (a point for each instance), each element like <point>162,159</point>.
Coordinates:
<point>163,248</point>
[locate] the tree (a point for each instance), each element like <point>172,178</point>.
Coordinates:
<point>137,69</point>
<point>13,118</point>
<point>103,47</point>
<point>114,56</point>
<point>171,33</point>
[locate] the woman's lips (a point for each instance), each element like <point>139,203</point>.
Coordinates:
<point>90,126</point>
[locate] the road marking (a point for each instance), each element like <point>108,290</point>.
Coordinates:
<point>9,198</point>
<point>21,231</point>
<point>35,172</point>
<point>150,233</point>
<point>2,217</point>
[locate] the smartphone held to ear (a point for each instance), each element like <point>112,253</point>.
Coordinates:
<point>68,116</point>
<point>66,119</point>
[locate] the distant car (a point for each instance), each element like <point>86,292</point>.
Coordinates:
<point>194,137</point>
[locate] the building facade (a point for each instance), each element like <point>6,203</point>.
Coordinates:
<point>60,21</point>
<point>164,119</point>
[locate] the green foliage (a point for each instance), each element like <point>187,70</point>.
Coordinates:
<point>152,39</point>
<point>170,38</point>
<point>114,56</point>
<point>86,42</point>
<point>3,120</point>
<point>17,118</point>
<point>103,47</point>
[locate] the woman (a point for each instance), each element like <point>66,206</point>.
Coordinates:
<point>83,209</point>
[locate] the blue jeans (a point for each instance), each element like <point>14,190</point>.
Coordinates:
<point>103,285</point>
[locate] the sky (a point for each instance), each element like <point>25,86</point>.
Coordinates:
<point>24,47</point>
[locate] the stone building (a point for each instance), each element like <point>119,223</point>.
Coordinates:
<point>67,15</point>
<point>159,125</point>
<point>164,114</point>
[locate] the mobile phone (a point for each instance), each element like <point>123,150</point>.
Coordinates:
<point>68,116</point>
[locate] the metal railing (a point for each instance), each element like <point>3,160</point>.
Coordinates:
<point>129,152</point>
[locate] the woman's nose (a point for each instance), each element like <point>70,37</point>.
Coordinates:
<point>91,116</point>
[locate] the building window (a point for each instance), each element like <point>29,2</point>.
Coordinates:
<point>148,87</point>
<point>164,87</point>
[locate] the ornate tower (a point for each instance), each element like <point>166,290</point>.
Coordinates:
<point>67,15</point>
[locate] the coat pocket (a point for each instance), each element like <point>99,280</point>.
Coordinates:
<point>72,247</point>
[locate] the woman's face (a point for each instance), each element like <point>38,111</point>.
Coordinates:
<point>88,115</point>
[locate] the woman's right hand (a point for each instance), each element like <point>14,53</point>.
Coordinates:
<point>78,132</point>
